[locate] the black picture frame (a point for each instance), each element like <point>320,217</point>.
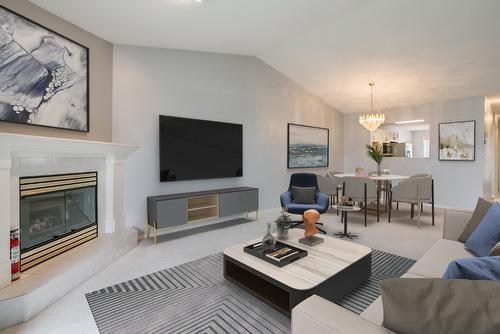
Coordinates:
<point>87,52</point>
<point>473,124</point>
<point>327,160</point>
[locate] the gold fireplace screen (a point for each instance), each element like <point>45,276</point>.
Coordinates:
<point>32,188</point>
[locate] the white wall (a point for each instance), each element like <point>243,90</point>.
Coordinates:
<point>148,82</point>
<point>457,184</point>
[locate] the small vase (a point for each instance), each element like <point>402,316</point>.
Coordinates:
<point>268,241</point>
<point>282,233</point>
<point>379,169</point>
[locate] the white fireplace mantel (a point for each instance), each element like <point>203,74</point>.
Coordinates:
<point>16,146</point>
<point>24,146</point>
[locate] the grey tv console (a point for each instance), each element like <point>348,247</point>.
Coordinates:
<point>167,211</point>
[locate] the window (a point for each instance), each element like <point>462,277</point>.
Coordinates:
<point>427,147</point>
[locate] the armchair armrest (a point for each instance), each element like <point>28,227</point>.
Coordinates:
<point>286,199</point>
<point>322,200</point>
<point>316,315</point>
<point>455,221</point>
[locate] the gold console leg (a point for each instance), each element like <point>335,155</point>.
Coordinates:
<point>155,232</point>
<point>147,229</point>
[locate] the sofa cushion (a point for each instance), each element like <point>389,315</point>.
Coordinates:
<point>303,207</point>
<point>487,234</point>
<point>434,262</point>
<point>479,268</point>
<point>304,195</point>
<point>316,315</point>
<point>375,312</point>
<point>434,306</point>
<point>482,207</point>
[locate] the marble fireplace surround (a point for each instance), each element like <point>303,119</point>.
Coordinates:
<point>23,155</point>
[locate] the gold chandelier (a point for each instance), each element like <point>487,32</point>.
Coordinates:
<point>371,121</point>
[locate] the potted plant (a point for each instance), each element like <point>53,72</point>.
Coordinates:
<point>282,225</point>
<point>376,152</point>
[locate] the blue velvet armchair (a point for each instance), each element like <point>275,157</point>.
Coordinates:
<point>322,201</point>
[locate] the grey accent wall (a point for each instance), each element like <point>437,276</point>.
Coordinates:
<point>457,184</point>
<point>240,89</point>
<point>101,67</point>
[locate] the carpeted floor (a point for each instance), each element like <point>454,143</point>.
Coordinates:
<point>195,298</point>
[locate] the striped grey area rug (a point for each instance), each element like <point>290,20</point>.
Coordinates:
<point>384,266</point>
<point>194,297</point>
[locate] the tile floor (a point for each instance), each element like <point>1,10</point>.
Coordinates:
<point>71,313</point>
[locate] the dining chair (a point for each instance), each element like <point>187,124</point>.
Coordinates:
<point>331,176</point>
<point>363,190</point>
<point>412,177</point>
<point>329,187</point>
<point>414,191</point>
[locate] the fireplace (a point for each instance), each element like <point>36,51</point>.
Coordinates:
<point>57,213</point>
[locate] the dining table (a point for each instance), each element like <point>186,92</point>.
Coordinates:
<point>384,183</point>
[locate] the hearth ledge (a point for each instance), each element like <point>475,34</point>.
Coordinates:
<point>44,284</point>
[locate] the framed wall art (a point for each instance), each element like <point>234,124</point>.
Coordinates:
<point>457,141</point>
<point>44,76</point>
<point>308,146</point>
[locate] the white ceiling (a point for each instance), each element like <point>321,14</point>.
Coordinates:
<point>417,51</point>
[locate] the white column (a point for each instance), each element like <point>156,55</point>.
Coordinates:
<point>114,195</point>
<point>5,165</point>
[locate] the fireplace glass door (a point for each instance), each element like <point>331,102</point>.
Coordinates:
<point>42,218</point>
<point>80,208</point>
<point>46,217</point>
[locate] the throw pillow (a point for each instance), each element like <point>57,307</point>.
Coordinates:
<point>482,207</point>
<point>304,195</point>
<point>479,268</point>
<point>432,306</point>
<point>495,251</point>
<point>487,233</point>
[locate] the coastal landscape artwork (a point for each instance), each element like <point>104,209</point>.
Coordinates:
<point>457,141</point>
<point>307,146</point>
<point>43,75</point>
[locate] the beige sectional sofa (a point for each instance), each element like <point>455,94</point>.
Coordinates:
<point>316,315</point>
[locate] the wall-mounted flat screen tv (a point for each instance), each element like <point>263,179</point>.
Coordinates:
<point>193,149</point>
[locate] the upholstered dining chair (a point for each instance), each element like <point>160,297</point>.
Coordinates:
<point>330,175</point>
<point>329,187</point>
<point>414,191</point>
<point>422,204</point>
<point>321,201</point>
<point>362,189</point>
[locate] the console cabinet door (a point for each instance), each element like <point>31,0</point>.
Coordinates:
<point>230,204</point>
<point>250,200</point>
<point>172,212</point>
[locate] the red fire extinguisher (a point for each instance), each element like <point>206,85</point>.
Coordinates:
<point>15,255</point>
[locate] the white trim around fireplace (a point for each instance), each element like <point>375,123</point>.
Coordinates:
<point>14,147</point>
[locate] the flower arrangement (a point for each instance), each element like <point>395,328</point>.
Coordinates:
<point>376,152</point>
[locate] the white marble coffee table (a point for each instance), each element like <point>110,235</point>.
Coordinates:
<point>331,270</point>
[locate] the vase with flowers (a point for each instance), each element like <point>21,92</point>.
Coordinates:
<point>376,153</point>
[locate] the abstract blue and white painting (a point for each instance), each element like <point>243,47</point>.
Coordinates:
<point>43,75</point>
<point>307,146</point>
